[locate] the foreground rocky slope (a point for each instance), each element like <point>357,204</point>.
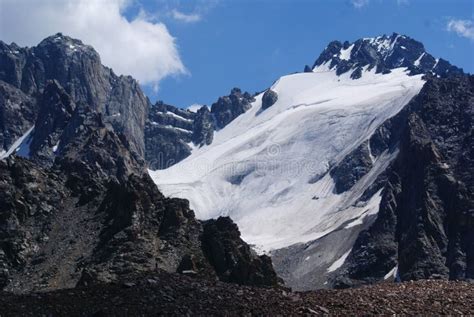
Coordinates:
<point>177,295</point>
<point>94,215</point>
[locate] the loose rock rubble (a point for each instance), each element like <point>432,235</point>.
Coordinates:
<point>173,294</point>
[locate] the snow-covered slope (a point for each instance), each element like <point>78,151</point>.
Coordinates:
<point>268,169</point>
<point>20,147</point>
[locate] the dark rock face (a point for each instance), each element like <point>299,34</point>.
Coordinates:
<point>169,130</point>
<point>96,216</point>
<point>203,133</point>
<point>307,69</point>
<point>229,107</point>
<point>165,146</point>
<point>425,223</point>
<point>232,258</point>
<point>268,99</point>
<point>17,114</point>
<point>50,217</point>
<point>352,168</point>
<point>163,114</point>
<point>55,110</point>
<point>383,53</point>
<point>78,69</point>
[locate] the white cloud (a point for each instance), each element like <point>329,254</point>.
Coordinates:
<point>463,28</point>
<point>359,3</point>
<point>195,107</point>
<point>362,3</point>
<point>186,18</point>
<point>139,47</point>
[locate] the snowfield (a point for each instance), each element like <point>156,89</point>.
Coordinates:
<point>268,170</point>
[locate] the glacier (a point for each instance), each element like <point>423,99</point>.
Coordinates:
<point>268,169</point>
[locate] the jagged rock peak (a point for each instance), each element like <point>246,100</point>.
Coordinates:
<point>227,108</point>
<point>66,42</point>
<point>78,69</point>
<point>382,53</point>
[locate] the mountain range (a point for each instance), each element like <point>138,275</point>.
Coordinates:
<point>354,171</point>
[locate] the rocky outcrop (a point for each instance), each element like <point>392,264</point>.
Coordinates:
<point>229,107</point>
<point>203,130</point>
<point>268,99</point>
<point>425,223</point>
<point>169,130</point>
<point>159,133</point>
<point>165,146</point>
<point>18,113</point>
<point>55,110</point>
<point>352,168</point>
<point>232,258</point>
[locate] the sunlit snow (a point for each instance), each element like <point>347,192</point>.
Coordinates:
<point>268,170</point>
<point>339,262</point>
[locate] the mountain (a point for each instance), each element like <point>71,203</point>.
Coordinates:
<point>77,68</point>
<point>354,171</point>
<point>383,53</point>
<point>77,206</point>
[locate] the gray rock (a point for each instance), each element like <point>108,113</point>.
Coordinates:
<point>352,168</point>
<point>425,220</point>
<point>229,107</point>
<point>18,113</point>
<point>204,127</point>
<point>232,258</point>
<point>55,110</point>
<point>269,98</point>
<point>78,69</point>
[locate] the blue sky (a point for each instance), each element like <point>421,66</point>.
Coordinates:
<point>249,44</point>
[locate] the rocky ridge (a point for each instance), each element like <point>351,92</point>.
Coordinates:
<point>170,132</point>
<point>94,215</point>
<point>383,53</point>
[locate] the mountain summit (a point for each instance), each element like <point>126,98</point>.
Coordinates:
<point>383,53</point>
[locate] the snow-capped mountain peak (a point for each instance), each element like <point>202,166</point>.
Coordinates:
<point>384,53</point>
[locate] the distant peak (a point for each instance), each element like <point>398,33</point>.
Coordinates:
<point>66,43</point>
<point>384,53</point>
